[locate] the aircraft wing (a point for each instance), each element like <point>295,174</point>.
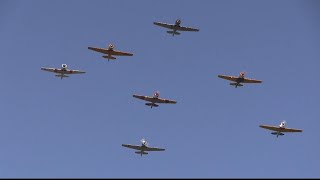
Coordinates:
<point>120,53</point>
<point>246,80</point>
<point>132,146</point>
<point>51,69</point>
<point>146,98</point>
<point>100,50</point>
<point>161,100</point>
<point>68,71</point>
<point>183,28</point>
<point>277,128</point>
<point>73,72</point>
<point>165,25</point>
<point>230,78</point>
<point>153,149</point>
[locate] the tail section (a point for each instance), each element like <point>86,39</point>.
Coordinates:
<point>141,153</point>
<point>61,75</point>
<point>152,105</point>
<point>277,133</point>
<point>236,84</point>
<point>173,33</point>
<point>109,57</point>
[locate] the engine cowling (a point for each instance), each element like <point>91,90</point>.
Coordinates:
<point>178,22</point>
<point>242,74</point>
<point>111,46</point>
<point>282,124</point>
<point>156,94</point>
<point>64,66</point>
<point>144,142</point>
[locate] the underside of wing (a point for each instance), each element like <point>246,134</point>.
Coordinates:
<point>48,69</point>
<point>74,72</point>
<point>153,149</point>
<point>290,130</point>
<point>230,78</point>
<point>146,98</point>
<point>101,50</point>
<point>169,26</point>
<point>183,28</point>
<point>272,128</point>
<point>161,100</point>
<point>246,80</point>
<point>277,128</point>
<point>132,146</point>
<point>120,53</point>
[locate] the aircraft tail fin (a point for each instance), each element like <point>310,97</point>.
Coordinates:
<point>173,32</point>
<point>109,57</point>
<point>234,84</point>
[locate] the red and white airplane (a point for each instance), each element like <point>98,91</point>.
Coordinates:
<point>175,27</point>
<point>110,51</point>
<point>280,129</point>
<point>63,71</point>
<point>144,147</point>
<point>154,99</point>
<point>238,80</point>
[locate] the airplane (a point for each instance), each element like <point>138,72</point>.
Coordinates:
<point>110,51</point>
<point>154,99</point>
<point>239,80</point>
<point>175,27</point>
<point>63,71</point>
<point>144,147</point>
<point>279,129</point>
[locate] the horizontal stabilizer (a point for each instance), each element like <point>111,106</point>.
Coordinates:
<point>60,75</point>
<point>151,104</point>
<point>173,32</point>
<point>233,84</point>
<point>139,152</point>
<point>109,57</point>
<point>275,133</point>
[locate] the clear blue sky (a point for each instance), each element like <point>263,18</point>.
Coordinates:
<point>75,127</point>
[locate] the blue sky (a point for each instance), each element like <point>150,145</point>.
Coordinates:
<point>75,127</point>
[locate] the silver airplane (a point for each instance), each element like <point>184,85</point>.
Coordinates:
<point>175,27</point>
<point>154,99</point>
<point>63,71</point>
<point>143,147</point>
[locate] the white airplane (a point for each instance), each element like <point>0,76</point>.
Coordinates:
<point>142,148</point>
<point>279,129</point>
<point>154,99</point>
<point>175,27</point>
<point>63,71</point>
